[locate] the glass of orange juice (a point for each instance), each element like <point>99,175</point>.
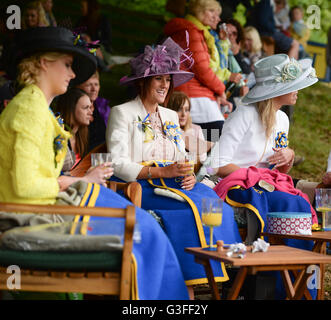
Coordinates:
<point>323,204</point>
<point>212,213</point>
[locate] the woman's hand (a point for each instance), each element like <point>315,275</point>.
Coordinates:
<point>281,157</point>
<point>176,170</point>
<point>188,182</point>
<point>99,174</point>
<point>221,100</point>
<point>235,77</point>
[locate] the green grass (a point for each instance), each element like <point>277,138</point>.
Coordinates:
<point>310,131</point>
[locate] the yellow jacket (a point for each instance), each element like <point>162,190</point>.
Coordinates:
<point>28,173</point>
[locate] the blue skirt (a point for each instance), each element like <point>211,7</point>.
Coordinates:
<point>157,273</point>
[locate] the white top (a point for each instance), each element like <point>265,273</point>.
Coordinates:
<point>129,146</point>
<point>204,110</point>
<point>243,139</point>
<point>329,163</point>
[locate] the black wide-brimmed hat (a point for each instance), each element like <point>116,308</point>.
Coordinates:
<point>57,39</point>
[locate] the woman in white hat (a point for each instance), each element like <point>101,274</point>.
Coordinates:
<point>254,147</point>
<point>251,134</point>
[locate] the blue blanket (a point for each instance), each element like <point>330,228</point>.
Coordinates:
<point>157,272</point>
<point>182,224</point>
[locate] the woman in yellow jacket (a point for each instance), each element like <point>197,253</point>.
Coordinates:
<point>32,139</point>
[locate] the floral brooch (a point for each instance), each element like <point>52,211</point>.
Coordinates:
<point>281,140</point>
<point>59,143</point>
<point>145,126</point>
<point>173,132</point>
<point>289,72</point>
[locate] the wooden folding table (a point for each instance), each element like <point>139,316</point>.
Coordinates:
<point>277,258</point>
<point>320,238</point>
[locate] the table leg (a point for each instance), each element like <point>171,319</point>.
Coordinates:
<point>297,281</point>
<point>320,292</point>
<point>300,284</point>
<point>287,284</point>
<point>320,247</point>
<point>210,276</point>
<point>238,282</point>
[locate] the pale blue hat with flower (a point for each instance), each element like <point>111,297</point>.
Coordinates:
<point>278,75</point>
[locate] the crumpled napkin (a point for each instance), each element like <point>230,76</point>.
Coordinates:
<point>237,250</point>
<point>260,245</point>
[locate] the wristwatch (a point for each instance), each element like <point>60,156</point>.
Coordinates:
<point>149,175</point>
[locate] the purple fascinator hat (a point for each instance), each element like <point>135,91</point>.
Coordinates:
<point>162,59</point>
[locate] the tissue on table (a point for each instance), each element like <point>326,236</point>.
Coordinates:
<point>237,250</point>
<point>260,245</point>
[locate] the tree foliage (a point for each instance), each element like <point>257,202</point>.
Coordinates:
<point>147,6</point>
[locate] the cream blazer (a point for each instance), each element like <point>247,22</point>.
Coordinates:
<point>125,140</point>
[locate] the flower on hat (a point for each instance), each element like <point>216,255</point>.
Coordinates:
<point>173,133</point>
<point>290,71</point>
<point>159,59</point>
<point>90,46</point>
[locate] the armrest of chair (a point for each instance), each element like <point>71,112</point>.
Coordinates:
<point>132,190</point>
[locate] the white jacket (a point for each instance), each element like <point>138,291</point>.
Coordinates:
<point>125,140</point>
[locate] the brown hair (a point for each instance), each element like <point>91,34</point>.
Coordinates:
<point>66,106</point>
<point>240,31</point>
<point>176,101</point>
<point>143,86</point>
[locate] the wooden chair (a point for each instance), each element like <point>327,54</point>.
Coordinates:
<point>132,190</point>
<point>115,280</point>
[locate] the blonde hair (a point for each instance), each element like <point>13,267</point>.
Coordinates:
<point>267,112</point>
<point>36,5</point>
<point>29,67</point>
<point>198,7</point>
<point>255,36</point>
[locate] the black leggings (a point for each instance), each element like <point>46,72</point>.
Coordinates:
<point>212,130</point>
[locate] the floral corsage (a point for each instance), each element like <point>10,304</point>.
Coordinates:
<point>145,126</point>
<point>290,72</point>
<point>281,140</point>
<point>59,143</point>
<point>173,133</point>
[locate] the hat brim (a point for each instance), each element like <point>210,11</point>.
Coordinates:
<point>262,92</point>
<point>54,39</point>
<point>84,63</point>
<point>179,77</point>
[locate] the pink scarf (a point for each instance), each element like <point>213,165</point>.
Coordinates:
<point>248,177</point>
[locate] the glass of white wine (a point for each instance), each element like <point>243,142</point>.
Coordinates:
<point>212,213</point>
<point>323,203</point>
<point>99,158</point>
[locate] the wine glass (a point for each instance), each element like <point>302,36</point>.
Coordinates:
<point>323,203</point>
<point>212,210</point>
<point>99,158</point>
<point>191,159</point>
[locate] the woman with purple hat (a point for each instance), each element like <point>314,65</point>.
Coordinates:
<point>146,144</point>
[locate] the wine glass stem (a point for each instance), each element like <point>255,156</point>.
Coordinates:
<point>211,237</point>
<point>323,220</point>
